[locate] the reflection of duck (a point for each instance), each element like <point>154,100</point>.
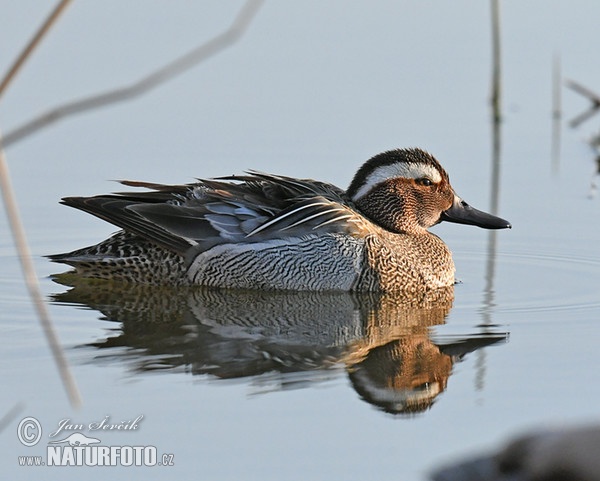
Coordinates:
<point>271,232</point>
<point>289,338</point>
<point>405,375</point>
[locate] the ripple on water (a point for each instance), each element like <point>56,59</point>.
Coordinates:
<point>526,282</point>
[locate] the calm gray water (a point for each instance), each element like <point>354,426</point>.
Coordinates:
<point>296,386</point>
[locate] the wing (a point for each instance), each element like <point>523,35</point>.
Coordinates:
<point>249,208</point>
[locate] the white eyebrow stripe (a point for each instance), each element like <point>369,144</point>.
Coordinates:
<point>400,169</point>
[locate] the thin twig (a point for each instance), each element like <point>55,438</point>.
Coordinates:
<point>33,43</point>
<point>163,74</point>
<point>11,415</point>
<point>32,283</point>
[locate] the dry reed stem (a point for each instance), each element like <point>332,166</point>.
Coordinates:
<point>32,283</point>
<point>18,231</point>
<point>496,63</point>
<point>33,43</point>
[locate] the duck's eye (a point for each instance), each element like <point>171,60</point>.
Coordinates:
<point>424,181</point>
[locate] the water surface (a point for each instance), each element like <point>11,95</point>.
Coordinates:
<point>305,386</point>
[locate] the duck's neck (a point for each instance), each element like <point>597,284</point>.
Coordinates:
<point>392,215</point>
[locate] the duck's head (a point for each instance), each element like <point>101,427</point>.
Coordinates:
<point>407,190</point>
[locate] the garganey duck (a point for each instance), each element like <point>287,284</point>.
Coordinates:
<point>265,231</point>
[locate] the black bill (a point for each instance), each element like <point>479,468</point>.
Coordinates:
<point>463,213</point>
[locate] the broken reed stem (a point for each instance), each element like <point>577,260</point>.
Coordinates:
<point>33,43</point>
<point>32,283</point>
<point>154,79</point>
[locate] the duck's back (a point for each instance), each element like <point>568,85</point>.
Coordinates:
<point>261,232</point>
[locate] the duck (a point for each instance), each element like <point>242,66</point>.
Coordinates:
<point>273,232</point>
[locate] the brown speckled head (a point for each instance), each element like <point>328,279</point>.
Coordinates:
<point>404,190</point>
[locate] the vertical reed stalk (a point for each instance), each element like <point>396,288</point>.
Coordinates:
<point>496,63</point>
<point>556,112</point>
<point>490,268</point>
